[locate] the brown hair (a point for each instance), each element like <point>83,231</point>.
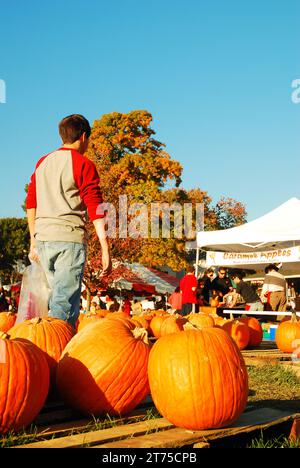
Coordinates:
<point>72,127</point>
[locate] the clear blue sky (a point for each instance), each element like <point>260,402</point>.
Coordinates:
<point>216,76</point>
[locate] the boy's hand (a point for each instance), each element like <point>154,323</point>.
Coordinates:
<point>106,264</point>
<point>33,254</point>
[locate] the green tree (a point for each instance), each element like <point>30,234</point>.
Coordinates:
<point>14,245</point>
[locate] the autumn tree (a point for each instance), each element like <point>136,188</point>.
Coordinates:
<point>131,162</point>
<point>229,213</point>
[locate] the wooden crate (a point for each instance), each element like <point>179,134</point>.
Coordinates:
<point>160,433</point>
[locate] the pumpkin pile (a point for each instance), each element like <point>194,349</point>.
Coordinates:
<point>195,370</point>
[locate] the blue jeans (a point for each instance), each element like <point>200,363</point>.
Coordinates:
<point>63,263</point>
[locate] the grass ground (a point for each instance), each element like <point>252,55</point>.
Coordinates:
<point>274,386</point>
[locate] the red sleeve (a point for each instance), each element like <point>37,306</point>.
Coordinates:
<point>31,194</point>
<point>87,180</point>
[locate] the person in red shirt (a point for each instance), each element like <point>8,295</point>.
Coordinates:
<point>188,288</point>
<point>127,307</point>
<point>175,300</point>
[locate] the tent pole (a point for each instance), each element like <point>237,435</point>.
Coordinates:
<point>196,273</point>
<point>197,261</point>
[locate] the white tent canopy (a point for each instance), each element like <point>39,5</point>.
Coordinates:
<point>272,238</point>
<point>277,229</point>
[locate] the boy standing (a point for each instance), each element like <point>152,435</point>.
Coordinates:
<point>63,186</point>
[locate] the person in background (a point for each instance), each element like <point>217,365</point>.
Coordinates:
<point>3,300</point>
<point>175,300</point>
<point>247,292</point>
<point>98,301</point>
<point>160,303</point>
<point>93,306</point>
<point>112,305</point>
<point>127,306</point>
<point>136,307</point>
<point>274,290</point>
<point>231,296</point>
<point>221,283</point>
<point>188,289</point>
<point>208,279</point>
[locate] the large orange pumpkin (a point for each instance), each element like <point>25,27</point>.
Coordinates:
<point>287,333</point>
<point>198,378</point>
<point>103,369</point>
<point>7,320</point>
<point>24,377</point>
<point>255,329</point>
<point>50,334</point>
<point>238,331</point>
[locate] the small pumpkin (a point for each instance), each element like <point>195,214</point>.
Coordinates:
<point>140,321</point>
<point>172,324</point>
<point>255,329</point>
<point>7,320</point>
<point>201,320</point>
<point>156,324</point>
<point>88,318</point>
<point>287,333</point>
<point>238,331</point>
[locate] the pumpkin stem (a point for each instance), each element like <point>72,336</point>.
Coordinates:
<point>294,317</point>
<point>140,334</point>
<point>231,316</point>
<point>190,326</point>
<point>36,320</point>
<point>4,336</point>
